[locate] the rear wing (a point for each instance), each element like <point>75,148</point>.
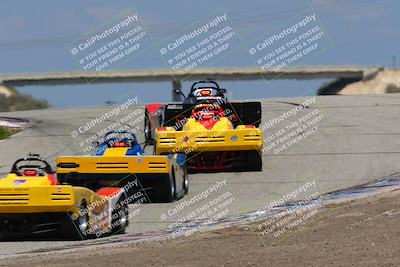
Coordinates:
<point>112,165</point>
<point>246,113</point>
<point>245,139</point>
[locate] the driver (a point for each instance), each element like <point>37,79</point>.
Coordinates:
<point>119,139</point>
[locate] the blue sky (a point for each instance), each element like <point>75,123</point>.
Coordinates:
<point>35,37</point>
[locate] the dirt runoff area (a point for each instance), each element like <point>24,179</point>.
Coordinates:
<point>362,232</point>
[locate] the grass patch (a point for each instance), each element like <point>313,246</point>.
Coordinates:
<point>18,101</point>
<point>392,88</point>
<point>5,133</point>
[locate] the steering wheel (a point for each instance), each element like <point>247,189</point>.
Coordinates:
<point>24,166</point>
<point>116,142</point>
<point>214,85</point>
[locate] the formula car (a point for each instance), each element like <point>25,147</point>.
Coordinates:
<point>212,142</point>
<point>202,92</point>
<point>34,204</point>
<point>120,160</point>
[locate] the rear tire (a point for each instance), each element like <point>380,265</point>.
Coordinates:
<point>185,179</point>
<point>249,161</point>
<point>167,190</point>
<point>120,217</point>
<point>254,161</point>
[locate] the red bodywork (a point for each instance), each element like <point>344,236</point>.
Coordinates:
<point>152,108</point>
<point>108,191</point>
<point>207,114</point>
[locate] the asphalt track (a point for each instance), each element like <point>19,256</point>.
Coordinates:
<point>357,141</point>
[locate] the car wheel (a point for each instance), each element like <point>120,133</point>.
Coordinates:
<point>185,180</point>
<point>254,161</point>
<point>147,130</point>
<point>154,149</point>
<point>83,224</point>
<point>80,223</point>
<point>167,191</point>
<point>120,217</point>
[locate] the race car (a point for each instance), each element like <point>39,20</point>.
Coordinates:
<point>33,203</point>
<point>119,161</point>
<point>202,92</point>
<point>212,142</point>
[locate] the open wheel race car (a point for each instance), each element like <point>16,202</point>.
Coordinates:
<point>212,142</point>
<point>216,135</point>
<point>120,160</point>
<point>34,204</point>
<point>201,92</point>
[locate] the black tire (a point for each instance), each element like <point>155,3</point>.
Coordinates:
<point>185,179</point>
<point>167,190</point>
<point>76,227</point>
<point>249,161</point>
<point>254,161</point>
<point>147,131</point>
<point>154,149</point>
<point>120,217</point>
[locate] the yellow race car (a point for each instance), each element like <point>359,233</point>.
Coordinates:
<point>211,141</point>
<point>120,160</point>
<point>34,204</point>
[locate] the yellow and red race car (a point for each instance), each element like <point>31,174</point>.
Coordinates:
<point>34,204</point>
<point>212,142</point>
<point>201,92</point>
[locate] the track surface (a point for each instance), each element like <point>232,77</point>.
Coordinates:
<point>358,140</point>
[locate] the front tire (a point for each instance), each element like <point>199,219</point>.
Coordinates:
<point>77,227</point>
<point>147,131</point>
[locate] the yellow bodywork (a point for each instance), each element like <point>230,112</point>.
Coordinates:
<point>114,160</point>
<point>195,137</point>
<point>31,194</point>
